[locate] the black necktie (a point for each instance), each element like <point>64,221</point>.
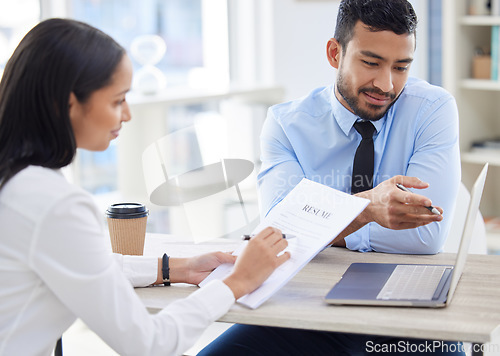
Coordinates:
<point>362,168</point>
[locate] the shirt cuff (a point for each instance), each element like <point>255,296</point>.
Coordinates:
<point>216,297</point>
<point>141,271</point>
<point>359,240</point>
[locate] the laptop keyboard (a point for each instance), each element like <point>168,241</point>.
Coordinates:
<point>412,282</point>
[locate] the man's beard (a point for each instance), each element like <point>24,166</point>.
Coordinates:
<point>353,101</point>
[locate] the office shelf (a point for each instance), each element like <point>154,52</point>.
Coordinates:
<point>480,84</point>
<point>479,20</point>
<point>478,100</point>
<point>491,156</point>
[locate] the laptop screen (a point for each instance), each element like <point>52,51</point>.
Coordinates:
<point>470,220</point>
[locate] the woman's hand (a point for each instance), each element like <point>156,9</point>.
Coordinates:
<point>199,267</point>
<point>257,261</point>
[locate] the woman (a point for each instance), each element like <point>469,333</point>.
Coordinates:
<point>64,87</point>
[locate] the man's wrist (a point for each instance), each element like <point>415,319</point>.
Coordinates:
<point>360,221</point>
<point>365,216</point>
<point>339,241</point>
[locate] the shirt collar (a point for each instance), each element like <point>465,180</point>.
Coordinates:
<point>346,119</point>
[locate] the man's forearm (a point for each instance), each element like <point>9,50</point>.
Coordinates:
<point>355,225</point>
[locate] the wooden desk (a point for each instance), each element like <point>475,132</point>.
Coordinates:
<point>473,316</point>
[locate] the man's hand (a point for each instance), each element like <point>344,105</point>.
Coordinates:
<point>393,208</point>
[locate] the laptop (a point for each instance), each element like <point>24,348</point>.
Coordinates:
<point>415,285</point>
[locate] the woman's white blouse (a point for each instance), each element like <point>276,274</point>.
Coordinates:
<point>56,265</point>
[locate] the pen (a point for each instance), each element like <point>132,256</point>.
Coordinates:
<point>285,236</point>
<point>430,208</point>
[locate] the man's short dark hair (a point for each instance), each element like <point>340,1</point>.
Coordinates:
<point>397,16</point>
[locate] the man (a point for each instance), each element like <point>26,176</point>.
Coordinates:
<point>415,134</point>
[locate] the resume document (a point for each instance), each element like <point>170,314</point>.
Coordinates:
<point>314,214</point>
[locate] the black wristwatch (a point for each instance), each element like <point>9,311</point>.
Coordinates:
<point>165,270</point>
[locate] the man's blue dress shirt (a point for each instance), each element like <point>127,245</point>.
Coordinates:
<point>314,137</point>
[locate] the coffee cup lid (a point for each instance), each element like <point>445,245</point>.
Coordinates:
<point>127,211</point>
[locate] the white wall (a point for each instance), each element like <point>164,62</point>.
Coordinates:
<point>301,31</point>
<point>420,65</point>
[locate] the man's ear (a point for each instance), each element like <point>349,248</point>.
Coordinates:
<point>333,52</point>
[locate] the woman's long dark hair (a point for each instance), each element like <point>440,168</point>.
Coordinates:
<point>57,57</point>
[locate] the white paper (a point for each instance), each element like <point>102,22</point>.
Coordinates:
<point>315,214</point>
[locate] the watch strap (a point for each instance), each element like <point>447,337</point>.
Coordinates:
<point>165,269</point>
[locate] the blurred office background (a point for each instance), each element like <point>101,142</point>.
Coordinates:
<point>207,70</point>
<point>204,83</point>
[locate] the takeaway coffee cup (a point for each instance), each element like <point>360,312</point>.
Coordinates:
<point>127,227</point>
